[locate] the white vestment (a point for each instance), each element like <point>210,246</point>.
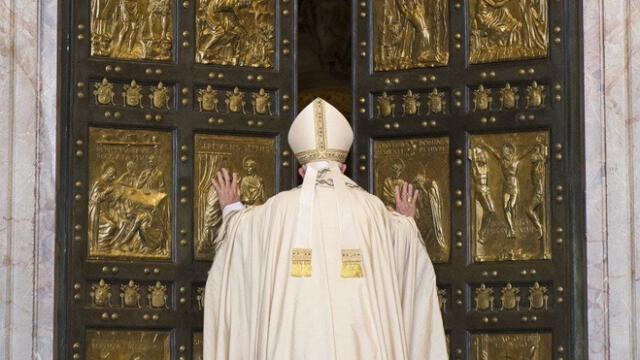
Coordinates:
<point>255,308</point>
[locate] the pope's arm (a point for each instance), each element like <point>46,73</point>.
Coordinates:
<point>418,291</point>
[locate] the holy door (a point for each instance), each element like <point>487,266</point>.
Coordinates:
<point>476,103</point>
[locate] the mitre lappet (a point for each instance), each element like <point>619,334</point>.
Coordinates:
<point>320,137</point>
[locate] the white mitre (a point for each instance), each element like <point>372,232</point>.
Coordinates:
<point>320,132</point>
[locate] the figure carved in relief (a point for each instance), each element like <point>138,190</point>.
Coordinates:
<point>235,32</point>
<point>411,34</point>
<point>129,177</point>
<point>252,184</point>
<point>131,29</point>
<point>384,105</point>
<point>431,193</point>
<point>261,103</point>
<point>101,196</point>
<point>101,11</point>
<point>159,19</point>
<point>509,161</point>
<point>235,101</point>
<point>200,297</point>
<point>212,220</point>
<point>127,20</point>
<point>494,20</point>
<point>480,174</point>
<point>539,157</point>
<point>535,13</point>
<point>508,30</point>
<point>101,14</point>
<point>411,103</point>
<point>390,183</point>
<point>442,299</point>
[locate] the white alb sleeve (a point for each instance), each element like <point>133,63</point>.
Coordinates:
<point>231,208</point>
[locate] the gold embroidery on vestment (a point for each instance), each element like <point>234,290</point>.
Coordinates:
<point>301,262</point>
<point>351,264</point>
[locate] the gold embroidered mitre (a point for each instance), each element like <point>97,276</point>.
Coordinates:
<point>320,132</point>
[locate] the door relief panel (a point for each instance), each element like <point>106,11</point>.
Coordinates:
<point>253,158</point>
<point>128,344</point>
<point>410,34</point>
<point>413,161</point>
<point>504,30</point>
<point>131,29</point>
<point>130,198</point>
<point>510,196</point>
<point>236,33</point>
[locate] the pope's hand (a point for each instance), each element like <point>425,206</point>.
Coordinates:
<point>227,187</point>
<point>406,199</point>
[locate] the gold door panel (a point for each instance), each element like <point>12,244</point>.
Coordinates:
<point>410,34</point>
<point>132,29</point>
<point>236,33</point>
<point>253,158</point>
<point>197,346</point>
<point>130,194</point>
<point>521,346</point>
<point>508,30</point>
<point>510,196</point>
<point>128,345</point>
<point>424,162</point>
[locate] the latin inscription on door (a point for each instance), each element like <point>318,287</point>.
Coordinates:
<point>527,346</point>
<point>128,345</point>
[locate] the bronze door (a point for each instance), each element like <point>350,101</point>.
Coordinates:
<point>157,95</point>
<point>477,104</point>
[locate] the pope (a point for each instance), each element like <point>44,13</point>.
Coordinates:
<point>323,271</point>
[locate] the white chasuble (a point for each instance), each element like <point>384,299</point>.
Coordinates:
<point>362,285</point>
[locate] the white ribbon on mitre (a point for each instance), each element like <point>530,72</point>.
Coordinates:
<point>320,137</point>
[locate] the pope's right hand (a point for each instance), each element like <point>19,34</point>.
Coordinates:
<point>406,198</point>
<point>227,187</point>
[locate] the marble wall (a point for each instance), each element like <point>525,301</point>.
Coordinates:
<point>28,34</point>
<point>612,90</point>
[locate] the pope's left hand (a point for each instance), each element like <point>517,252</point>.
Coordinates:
<point>227,187</point>
<point>406,199</point>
